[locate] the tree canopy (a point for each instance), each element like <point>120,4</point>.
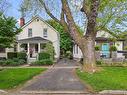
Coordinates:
<point>8,31</point>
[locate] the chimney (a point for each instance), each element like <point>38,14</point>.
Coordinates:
<point>22,22</point>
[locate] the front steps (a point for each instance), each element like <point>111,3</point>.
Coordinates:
<point>33,59</point>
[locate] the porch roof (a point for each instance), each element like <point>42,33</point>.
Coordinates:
<point>106,39</point>
<point>33,40</point>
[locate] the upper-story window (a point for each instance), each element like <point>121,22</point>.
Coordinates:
<point>30,32</point>
<point>45,33</point>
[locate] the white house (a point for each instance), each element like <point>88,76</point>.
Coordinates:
<point>35,33</point>
<point>103,39</point>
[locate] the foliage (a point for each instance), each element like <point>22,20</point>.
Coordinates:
<point>50,50</point>
<point>97,48</point>
<point>8,31</point>
<point>69,54</point>
<point>125,47</point>
<point>12,62</point>
<point>113,48</point>
<point>109,78</point>
<point>65,40</point>
<point>23,45</point>
<point>43,55</point>
<point>43,62</point>
<point>22,55</point>
<point>11,55</point>
<point>43,46</point>
<point>99,62</point>
<point>13,77</point>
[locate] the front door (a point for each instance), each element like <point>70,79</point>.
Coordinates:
<point>105,50</point>
<point>33,50</point>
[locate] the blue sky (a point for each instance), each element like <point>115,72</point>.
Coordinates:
<point>13,9</point>
<point>15,5</point>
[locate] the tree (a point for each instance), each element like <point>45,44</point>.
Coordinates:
<point>8,31</point>
<point>99,15</point>
<point>65,40</point>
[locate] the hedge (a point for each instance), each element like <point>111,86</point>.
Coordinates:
<point>43,55</point>
<point>43,62</point>
<point>12,62</point>
<point>20,55</point>
<point>11,55</point>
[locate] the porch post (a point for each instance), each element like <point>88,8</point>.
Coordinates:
<point>39,47</point>
<point>28,46</point>
<point>18,47</point>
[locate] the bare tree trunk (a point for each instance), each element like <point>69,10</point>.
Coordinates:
<point>89,60</point>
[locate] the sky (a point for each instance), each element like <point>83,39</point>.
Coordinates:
<point>13,9</point>
<point>15,5</point>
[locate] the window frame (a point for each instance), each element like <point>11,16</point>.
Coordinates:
<point>45,32</point>
<point>30,32</point>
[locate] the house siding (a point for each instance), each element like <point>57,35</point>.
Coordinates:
<point>37,31</point>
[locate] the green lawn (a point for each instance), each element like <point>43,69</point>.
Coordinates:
<point>10,78</point>
<point>111,78</point>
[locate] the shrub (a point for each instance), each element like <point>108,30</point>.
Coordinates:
<point>43,55</point>
<point>43,62</point>
<point>97,48</point>
<point>113,48</point>
<point>50,50</point>
<point>2,62</point>
<point>9,62</point>
<point>99,62</point>
<point>22,55</point>
<point>11,55</point>
<point>21,61</point>
<point>69,54</point>
<point>12,62</point>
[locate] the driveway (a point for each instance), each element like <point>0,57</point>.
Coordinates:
<point>57,80</point>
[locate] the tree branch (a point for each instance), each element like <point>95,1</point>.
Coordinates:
<point>85,8</point>
<point>61,21</point>
<point>92,18</point>
<point>73,31</point>
<point>48,11</point>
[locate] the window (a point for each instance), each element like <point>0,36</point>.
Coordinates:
<point>2,50</point>
<point>45,32</point>
<point>37,20</point>
<point>30,32</point>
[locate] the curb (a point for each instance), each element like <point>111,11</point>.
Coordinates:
<point>2,91</point>
<point>114,92</point>
<point>53,92</point>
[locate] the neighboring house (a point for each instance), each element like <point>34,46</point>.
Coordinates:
<point>103,39</point>
<point>35,34</point>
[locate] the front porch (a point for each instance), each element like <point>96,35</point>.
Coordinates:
<point>32,46</point>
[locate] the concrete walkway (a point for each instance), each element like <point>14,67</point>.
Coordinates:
<point>57,80</point>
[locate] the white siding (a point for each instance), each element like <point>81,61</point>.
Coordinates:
<point>119,45</point>
<point>37,31</point>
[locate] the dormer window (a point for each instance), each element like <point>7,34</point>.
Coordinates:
<point>45,34</point>
<point>30,32</point>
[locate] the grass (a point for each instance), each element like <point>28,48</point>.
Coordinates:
<point>11,78</point>
<point>111,78</point>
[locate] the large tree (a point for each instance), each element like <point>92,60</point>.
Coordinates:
<point>99,15</point>
<point>8,31</point>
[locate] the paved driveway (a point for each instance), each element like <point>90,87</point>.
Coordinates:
<point>58,79</point>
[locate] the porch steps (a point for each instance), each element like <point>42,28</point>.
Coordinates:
<point>30,60</point>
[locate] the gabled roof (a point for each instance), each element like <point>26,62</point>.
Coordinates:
<point>33,18</point>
